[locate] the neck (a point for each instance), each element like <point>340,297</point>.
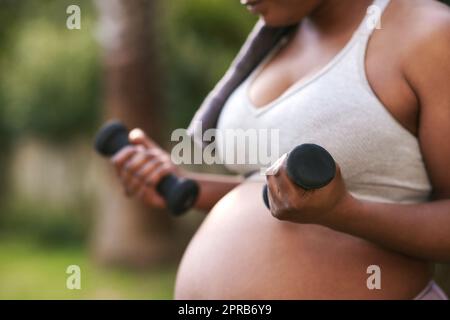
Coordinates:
<point>333,16</point>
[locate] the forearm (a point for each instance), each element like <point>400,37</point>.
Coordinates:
<point>418,230</point>
<point>212,188</point>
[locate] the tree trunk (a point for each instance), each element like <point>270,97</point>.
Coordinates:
<point>128,232</point>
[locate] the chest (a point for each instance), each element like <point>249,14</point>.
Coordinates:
<point>335,107</point>
<point>304,56</point>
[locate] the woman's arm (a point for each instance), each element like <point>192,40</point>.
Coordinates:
<point>419,230</point>
<point>212,188</point>
<point>142,165</point>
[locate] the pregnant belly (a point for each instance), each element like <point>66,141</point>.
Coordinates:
<point>242,252</point>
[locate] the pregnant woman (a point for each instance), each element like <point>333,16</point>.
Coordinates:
<point>367,80</point>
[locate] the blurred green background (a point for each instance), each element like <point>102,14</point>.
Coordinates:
<point>52,99</point>
<point>56,87</point>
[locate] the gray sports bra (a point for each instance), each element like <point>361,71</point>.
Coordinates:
<point>337,109</point>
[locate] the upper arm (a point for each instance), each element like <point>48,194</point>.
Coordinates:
<point>427,69</point>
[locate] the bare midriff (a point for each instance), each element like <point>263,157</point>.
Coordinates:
<point>241,252</point>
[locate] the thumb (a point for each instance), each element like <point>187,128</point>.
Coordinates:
<point>137,136</point>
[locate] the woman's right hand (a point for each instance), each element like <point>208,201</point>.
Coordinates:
<point>141,166</point>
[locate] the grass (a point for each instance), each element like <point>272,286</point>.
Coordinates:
<point>32,271</point>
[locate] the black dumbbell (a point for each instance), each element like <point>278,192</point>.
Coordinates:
<point>309,166</point>
<point>180,194</point>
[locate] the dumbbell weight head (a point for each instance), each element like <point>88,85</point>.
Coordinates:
<point>179,194</point>
<point>309,166</point>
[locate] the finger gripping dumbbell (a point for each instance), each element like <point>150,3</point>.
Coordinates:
<point>309,166</point>
<point>180,194</point>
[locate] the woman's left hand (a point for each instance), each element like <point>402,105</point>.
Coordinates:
<point>289,202</point>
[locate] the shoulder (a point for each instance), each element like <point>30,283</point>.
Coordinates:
<point>419,34</point>
<point>414,30</point>
<point>428,21</point>
<point>426,67</point>
<point>423,27</point>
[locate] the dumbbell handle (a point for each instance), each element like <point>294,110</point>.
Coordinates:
<point>309,166</point>
<point>180,194</point>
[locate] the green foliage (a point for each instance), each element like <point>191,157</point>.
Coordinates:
<point>200,40</point>
<point>9,13</point>
<point>45,224</point>
<point>49,85</point>
<point>50,80</point>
